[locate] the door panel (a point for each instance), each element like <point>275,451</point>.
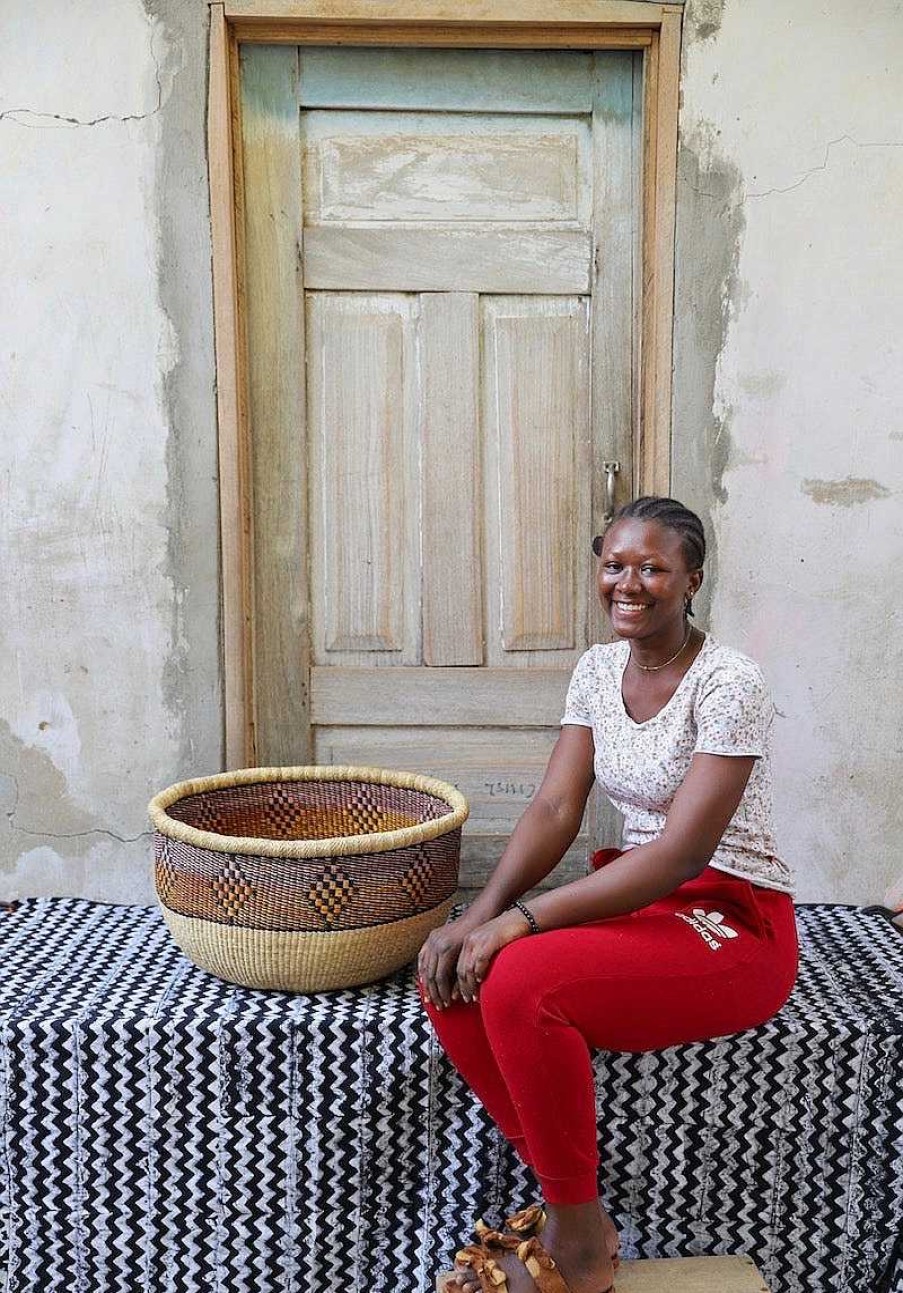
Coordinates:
<point>536,416</point>
<point>480,80</point>
<point>467,237</point>
<point>497,258</point>
<point>273,470</point>
<point>506,698</point>
<point>365,552</point>
<point>448,167</point>
<point>451,473</point>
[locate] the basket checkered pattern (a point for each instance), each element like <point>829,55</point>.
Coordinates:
<point>328,893</point>
<point>298,852</point>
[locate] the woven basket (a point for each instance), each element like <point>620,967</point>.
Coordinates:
<point>306,879</point>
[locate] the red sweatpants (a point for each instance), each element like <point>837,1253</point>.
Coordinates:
<point>717,956</point>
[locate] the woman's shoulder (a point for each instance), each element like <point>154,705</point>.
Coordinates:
<point>721,665</point>
<point>603,658</point>
<point>718,655</point>
<point>599,669</point>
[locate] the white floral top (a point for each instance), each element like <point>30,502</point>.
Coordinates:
<point>721,706</point>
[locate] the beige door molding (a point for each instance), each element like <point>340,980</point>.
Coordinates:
<point>652,29</point>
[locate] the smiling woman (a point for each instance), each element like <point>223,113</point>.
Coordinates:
<point>685,932</point>
<point>650,570</point>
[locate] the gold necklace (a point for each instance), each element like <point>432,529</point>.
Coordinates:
<point>654,668</point>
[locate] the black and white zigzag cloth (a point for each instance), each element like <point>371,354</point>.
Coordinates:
<point>163,1131</point>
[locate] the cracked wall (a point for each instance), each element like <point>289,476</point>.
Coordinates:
<point>111,684</point>
<point>788,396</point>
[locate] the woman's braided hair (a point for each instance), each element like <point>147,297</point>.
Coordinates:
<point>667,511</point>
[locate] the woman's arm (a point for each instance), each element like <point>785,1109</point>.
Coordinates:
<point>696,821</point>
<point>543,834</point>
<point>547,827</point>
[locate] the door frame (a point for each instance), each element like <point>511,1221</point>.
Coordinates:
<point>653,29</point>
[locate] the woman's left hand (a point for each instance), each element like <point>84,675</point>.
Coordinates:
<point>481,945</point>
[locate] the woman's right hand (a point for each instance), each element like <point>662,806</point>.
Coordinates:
<point>545,831</point>
<point>437,964</point>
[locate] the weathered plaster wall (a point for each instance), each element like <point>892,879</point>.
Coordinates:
<point>110,686</point>
<point>789,398</point>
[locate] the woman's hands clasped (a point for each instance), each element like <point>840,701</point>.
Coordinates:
<point>455,958</point>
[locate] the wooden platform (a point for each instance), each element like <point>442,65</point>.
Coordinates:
<point>682,1275</point>
<point>690,1275</point>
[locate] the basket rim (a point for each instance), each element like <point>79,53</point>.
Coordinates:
<point>335,846</point>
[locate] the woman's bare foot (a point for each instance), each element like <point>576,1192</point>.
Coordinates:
<point>578,1240</point>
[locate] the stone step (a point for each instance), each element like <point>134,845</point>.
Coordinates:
<point>682,1275</point>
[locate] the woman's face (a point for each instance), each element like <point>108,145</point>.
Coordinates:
<point>643,578</point>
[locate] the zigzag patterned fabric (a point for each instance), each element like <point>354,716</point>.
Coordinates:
<point>164,1131</point>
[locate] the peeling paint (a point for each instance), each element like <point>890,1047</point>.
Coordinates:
<point>709,230</point>
<point>90,592</point>
<point>35,793</point>
<point>763,385</point>
<point>849,492</point>
<point>36,801</point>
<point>703,18</point>
<point>111,622</point>
<point>710,224</point>
<point>188,390</point>
<point>50,724</point>
<point>49,844</point>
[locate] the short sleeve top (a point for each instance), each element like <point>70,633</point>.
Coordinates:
<point>721,706</point>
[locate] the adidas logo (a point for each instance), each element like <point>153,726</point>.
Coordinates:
<point>711,925</point>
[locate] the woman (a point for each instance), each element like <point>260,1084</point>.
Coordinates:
<point>686,933</point>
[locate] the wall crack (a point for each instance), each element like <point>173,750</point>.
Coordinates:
<point>814,170</point>
<point>63,835</point>
<point>77,835</point>
<point>16,113</point>
<point>841,139</point>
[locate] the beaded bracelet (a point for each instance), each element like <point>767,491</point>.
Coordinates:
<point>526,913</point>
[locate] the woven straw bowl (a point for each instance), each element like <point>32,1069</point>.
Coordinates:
<point>306,879</point>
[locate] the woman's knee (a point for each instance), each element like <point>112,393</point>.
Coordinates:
<point>514,985</point>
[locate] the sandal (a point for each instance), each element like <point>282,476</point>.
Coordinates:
<point>532,1219</point>
<point>484,1266</point>
<point>520,1238</point>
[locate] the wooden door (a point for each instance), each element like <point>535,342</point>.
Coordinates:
<point>434,394</point>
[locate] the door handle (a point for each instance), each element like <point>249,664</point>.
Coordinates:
<point>611,470</point>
